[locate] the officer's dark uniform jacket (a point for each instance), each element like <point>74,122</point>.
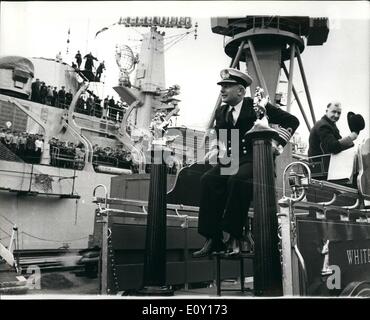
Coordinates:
<point>245,122</point>
<point>225,199</point>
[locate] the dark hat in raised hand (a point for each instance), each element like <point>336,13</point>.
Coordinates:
<point>356,122</point>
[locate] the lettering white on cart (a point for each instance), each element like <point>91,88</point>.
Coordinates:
<point>334,280</point>
<point>358,256</point>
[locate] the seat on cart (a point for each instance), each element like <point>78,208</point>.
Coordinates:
<point>318,166</point>
<point>186,190</point>
<point>348,176</point>
<point>363,179</point>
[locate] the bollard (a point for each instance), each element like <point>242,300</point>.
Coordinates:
<point>266,263</point>
<point>154,282</point>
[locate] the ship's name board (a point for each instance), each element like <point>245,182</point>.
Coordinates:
<point>167,22</point>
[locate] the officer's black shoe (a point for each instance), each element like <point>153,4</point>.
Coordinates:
<point>233,247</point>
<point>205,250</point>
<point>218,246</point>
<point>209,247</point>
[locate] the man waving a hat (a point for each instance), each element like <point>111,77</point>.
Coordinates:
<point>325,137</point>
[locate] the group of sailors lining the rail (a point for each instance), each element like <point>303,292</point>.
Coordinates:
<point>28,147</point>
<point>88,103</point>
<point>51,96</point>
<point>22,145</point>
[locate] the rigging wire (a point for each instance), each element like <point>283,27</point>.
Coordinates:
<point>176,35</point>
<point>11,222</point>
<point>167,46</point>
<point>8,235</point>
<point>179,35</point>
<point>52,240</point>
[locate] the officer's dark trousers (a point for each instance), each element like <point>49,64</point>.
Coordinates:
<point>225,201</point>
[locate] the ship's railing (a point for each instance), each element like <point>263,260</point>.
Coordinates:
<point>31,181</point>
<point>26,154</point>
<point>111,161</point>
<point>64,160</point>
<point>276,22</point>
<point>93,124</point>
<point>97,111</point>
<point>106,160</point>
<point>113,112</point>
<point>26,177</point>
<point>61,105</point>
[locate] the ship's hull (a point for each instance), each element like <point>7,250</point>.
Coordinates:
<point>48,221</point>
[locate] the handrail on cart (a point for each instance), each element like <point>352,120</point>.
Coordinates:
<point>300,182</point>
<point>105,195</point>
<point>284,184</point>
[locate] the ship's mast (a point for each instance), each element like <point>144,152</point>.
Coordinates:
<point>147,94</point>
<point>150,77</point>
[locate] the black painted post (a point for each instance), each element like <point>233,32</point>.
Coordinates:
<point>266,263</point>
<point>154,282</point>
<point>155,260</point>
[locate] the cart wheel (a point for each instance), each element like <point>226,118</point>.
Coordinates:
<point>357,289</point>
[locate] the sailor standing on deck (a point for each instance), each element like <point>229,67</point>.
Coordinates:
<point>89,64</point>
<point>99,70</point>
<point>225,199</point>
<point>78,58</point>
<point>35,94</point>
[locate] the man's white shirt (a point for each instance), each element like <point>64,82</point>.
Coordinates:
<point>236,112</point>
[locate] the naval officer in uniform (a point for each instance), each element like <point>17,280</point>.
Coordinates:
<point>225,199</point>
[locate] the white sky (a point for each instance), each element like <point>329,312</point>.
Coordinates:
<point>338,70</point>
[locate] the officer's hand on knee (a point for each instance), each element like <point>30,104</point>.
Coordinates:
<point>211,156</point>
